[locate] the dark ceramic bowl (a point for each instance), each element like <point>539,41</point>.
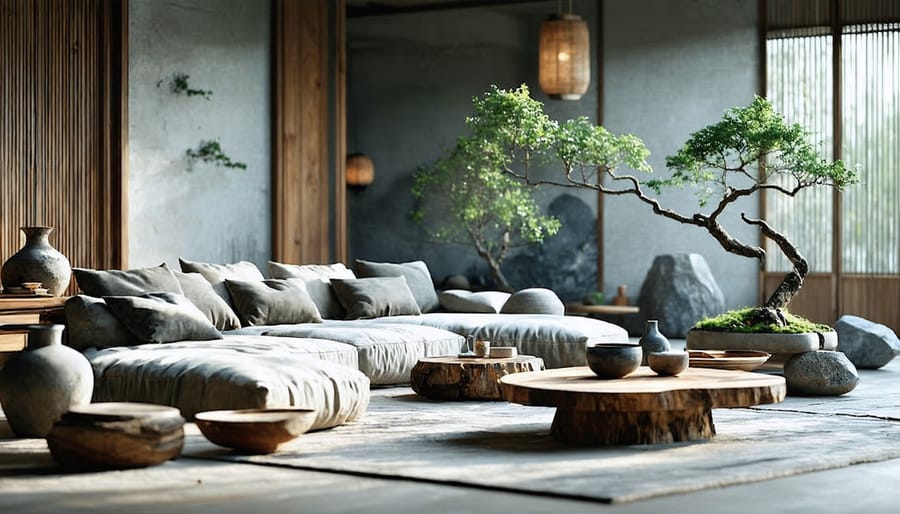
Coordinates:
<point>668,363</point>
<point>613,360</point>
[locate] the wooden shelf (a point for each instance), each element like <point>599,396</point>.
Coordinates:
<point>580,308</point>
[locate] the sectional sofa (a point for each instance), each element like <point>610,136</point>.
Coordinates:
<point>215,336</point>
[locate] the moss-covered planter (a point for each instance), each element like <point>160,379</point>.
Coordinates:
<point>781,346</point>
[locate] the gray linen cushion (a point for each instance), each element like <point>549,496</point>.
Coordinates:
<point>417,276</point>
<point>535,300</point>
<point>460,300</point>
<point>201,293</point>
<point>317,279</point>
<point>375,297</point>
<point>216,274</point>
<point>90,324</point>
<point>272,302</point>
<point>126,283</point>
<point>162,318</point>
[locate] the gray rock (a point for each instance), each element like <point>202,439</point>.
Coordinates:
<point>820,373</point>
<point>679,291</point>
<point>868,345</point>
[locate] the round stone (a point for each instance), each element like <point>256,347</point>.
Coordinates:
<point>821,373</point>
<point>868,345</point>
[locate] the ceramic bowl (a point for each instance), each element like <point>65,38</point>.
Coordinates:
<point>613,360</point>
<point>254,430</point>
<point>668,363</point>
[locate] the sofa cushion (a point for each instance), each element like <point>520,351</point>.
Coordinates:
<point>387,352</point>
<point>535,300</point>
<point>89,324</point>
<point>317,279</point>
<point>233,373</point>
<point>417,276</point>
<point>273,301</point>
<point>126,283</point>
<point>460,300</point>
<point>375,297</point>
<point>216,274</point>
<point>201,293</point>
<point>161,318</point>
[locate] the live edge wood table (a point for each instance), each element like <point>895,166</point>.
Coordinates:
<point>20,309</point>
<point>467,378</point>
<point>642,408</point>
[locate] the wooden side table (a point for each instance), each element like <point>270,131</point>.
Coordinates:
<point>25,309</point>
<point>467,378</point>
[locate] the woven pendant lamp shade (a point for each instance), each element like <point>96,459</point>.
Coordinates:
<point>564,67</point>
<point>360,170</point>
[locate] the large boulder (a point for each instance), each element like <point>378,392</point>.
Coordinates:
<point>820,373</point>
<point>868,345</point>
<point>679,291</point>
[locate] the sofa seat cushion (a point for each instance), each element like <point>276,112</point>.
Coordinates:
<point>235,373</point>
<point>387,352</point>
<point>559,340</point>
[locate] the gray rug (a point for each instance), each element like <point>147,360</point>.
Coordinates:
<point>507,447</point>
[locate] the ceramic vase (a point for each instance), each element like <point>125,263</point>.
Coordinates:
<point>37,261</point>
<point>653,341</point>
<point>39,384</point>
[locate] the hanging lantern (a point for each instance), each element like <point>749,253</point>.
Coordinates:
<point>564,67</point>
<point>360,170</point>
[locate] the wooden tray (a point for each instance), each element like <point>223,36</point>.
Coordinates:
<point>744,360</point>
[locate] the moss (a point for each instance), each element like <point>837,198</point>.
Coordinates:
<point>746,320</point>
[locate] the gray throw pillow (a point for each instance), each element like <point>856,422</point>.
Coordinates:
<point>535,300</point>
<point>375,297</point>
<point>90,324</point>
<point>126,283</point>
<point>216,274</point>
<point>201,294</point>
<point>273,302</point>
<point>460,300</point>
<point>317,279</point>
<point>417,276</point>
<point>162,318</point>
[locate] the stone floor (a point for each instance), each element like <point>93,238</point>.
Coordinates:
<point>189,485</point>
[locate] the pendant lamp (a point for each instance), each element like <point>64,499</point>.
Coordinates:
<point>564,56</point>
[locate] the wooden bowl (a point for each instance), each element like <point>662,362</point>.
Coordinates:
<point>613,360</point>
<point>254,430</point>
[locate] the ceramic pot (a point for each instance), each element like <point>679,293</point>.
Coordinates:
<point>652,341</point>
<point>39,384</point>
<point>613,360</point>
<point>37,261</point>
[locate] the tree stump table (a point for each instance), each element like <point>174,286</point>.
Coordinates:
<point>642,408</point>
<point>466,378</point>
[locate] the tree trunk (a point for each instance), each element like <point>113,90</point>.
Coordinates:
<point>499,278</point>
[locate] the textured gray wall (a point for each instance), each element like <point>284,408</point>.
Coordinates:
<point>200,212</point>
<point>410,86</point>
<point>671,68</point>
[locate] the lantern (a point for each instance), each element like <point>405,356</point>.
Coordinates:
<point>564,66</point>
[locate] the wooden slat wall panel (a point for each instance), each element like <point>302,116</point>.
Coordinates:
<point>874,297</point>
<point>61,132</point>
<point>302,205</point>
<point>814,299</point>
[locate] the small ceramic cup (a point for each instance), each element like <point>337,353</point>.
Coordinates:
<point>482,348</point>
<point>668,363</point>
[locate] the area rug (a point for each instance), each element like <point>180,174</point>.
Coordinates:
<point>507,447</point>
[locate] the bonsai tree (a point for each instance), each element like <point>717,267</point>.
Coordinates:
<point>473,194</point>
<point>752,149</point>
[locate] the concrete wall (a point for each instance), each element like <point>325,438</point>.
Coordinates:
<point>200,211</point>
<point>670,69</point>
<point>410,86</point>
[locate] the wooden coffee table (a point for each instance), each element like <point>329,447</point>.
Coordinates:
<point>467,378</point>
<point>642,408</point>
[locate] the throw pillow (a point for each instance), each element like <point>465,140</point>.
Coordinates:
<point>272,302</point>
<point>89,324</point>
<point>216,274</point>
<point>460,300</point>
<point>317,279</point>
<point>535,300</point>
<point>126,283</point>
<point>375,297</point>
<point>201,294</point>
<point>417,276</point>
<point>162,318</point>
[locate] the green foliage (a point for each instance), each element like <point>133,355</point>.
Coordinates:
<point>211,151</point>
<point>179,85</point>
<point>716,156</point>
<point>745,320</point>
